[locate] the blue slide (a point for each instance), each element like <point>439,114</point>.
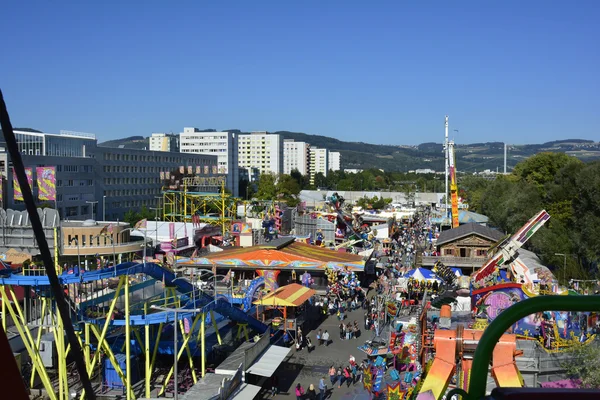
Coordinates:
<point>156,271</point>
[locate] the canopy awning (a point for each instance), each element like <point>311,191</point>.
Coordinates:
<point>292,295</point>
<point>269,361</point>
<point>246,392</point>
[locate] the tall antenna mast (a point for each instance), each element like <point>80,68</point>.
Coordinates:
<point>446,164</point>
<point>505,151</point>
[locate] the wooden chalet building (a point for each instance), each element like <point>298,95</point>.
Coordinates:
<point>464,247</point>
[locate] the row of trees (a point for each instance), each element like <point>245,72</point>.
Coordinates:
<point>567,188</point>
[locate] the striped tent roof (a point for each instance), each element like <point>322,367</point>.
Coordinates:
<point>292,295</point>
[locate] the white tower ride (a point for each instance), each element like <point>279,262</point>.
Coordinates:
<point>446,163</point>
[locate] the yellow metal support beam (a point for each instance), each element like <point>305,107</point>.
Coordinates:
<point>214,322</point>
<point>111,356</point>
<point>148,368</point>
<point>127,341</point>
<point>86,349</point>
<point>102,336</point>
<point>188,351</point>
<point>39,337</point>
<point>156,343</point>
<point>28,341</point>
<point>179,354</point>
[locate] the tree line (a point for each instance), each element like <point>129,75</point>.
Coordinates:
<point>567,188</point>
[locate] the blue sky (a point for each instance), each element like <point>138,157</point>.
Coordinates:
<point>378,72</point>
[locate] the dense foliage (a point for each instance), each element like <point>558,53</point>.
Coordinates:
<point>562,185</point>
<point>585,365</point>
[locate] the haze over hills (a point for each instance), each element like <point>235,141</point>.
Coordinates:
<point>470,158</point>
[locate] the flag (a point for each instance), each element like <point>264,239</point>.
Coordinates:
<point>141,224</point>
<point>18,194</point>
<point>107,230</point>
<point>46,180</point>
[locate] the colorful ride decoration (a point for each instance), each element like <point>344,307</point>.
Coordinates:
<point>307,279</point>
<point>555,330</point>
<point>266,279</point>
<point>505,254</point>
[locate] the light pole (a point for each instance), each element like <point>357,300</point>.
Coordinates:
<point>78,255</point>
<point>103,208</point>
<point>175,350</point>
<point>92,203</point>
<point>156,209</point>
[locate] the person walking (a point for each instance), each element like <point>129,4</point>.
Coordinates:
<point>299,392</point>
<point>320,337</point>
<point>332,375</point>
<point>322,388</point>
<point>274,385</point>
<point>311,393</point>
<point>326,338</point>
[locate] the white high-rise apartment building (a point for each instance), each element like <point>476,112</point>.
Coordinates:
<point>224,145</point>
<point>160,142</point>
<point>319,162</point>
<point>296,155</point>
<point>335,160</point>
<point>261,150</point>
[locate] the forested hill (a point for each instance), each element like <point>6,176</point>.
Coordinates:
<point>469,157</point>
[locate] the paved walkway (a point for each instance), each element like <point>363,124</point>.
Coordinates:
<point>306,368</point>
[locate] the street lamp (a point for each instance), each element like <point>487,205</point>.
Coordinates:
<point>175,350</point>
<point>78,255</point>
<point>92,203</point>
<point>103,208</point>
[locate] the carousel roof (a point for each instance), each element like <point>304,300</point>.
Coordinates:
<point>284,253</point>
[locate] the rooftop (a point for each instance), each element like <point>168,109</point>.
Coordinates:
<point>469,229</point>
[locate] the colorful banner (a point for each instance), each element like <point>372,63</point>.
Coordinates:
<point>198,170</point>
<point>18,194</point>
<point>171,230</point>
<point>46,180</point>
<point>189,169</point>
<point>162,175</point>
<point>214,169</point>
<point>206,170</point>
<point>181,169</point>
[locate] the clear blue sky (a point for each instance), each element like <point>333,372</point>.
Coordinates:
<point>379,72</point>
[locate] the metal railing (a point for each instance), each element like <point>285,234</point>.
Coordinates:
<point>499,326</point>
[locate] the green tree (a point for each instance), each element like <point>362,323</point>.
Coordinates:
<point>542,168</point>
<point>288,190</point>
<point>303,180</point>
<point>267,189</point>
<point>320,180</point>
<point>585,364</point>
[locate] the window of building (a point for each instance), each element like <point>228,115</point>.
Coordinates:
<point>71,211</point>
<point>447,252</point>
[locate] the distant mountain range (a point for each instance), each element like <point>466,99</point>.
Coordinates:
<point>470,158</point>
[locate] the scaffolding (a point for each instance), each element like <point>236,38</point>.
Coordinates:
<point>211,208</point>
